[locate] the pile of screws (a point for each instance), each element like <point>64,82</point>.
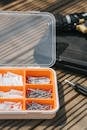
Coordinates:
<point>38,93</point>
<point>38,80</point>
<point>10,79</point>
<point>37,106</point>
<point>11,94</point>
<point>10,106</point>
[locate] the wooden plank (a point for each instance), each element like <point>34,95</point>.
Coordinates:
<point>28,5</point>
<point>75,6</point>
<point>80,124</point>
<point>14,3</point>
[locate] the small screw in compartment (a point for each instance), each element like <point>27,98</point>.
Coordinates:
<point>41,105</point>
<point>38,93</point>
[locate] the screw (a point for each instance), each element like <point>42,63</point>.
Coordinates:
<point>33,93</point>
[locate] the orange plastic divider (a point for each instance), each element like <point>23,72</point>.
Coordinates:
<point>11,100</point>
<point>7,88</point>
<point>41,101</point>
<point>37,86</point>
<point>13,70</point>
<point>40,73</point>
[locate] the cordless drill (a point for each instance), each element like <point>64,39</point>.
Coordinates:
<point>75,21</point>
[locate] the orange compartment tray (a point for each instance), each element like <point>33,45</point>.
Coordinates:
<point>34,72</point>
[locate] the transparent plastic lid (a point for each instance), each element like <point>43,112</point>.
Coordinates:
<point>27,39</point>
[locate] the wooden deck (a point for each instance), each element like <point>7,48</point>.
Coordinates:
<point>73,107</point>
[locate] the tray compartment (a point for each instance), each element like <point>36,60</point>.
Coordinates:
<point>49,102</point>
<point>17,101</point>
<point>19,72</point>
<point>39,73</point>
<point>29,88</point>
<point>8,89</point>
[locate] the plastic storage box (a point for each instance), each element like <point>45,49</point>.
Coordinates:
<point>28,49</point>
